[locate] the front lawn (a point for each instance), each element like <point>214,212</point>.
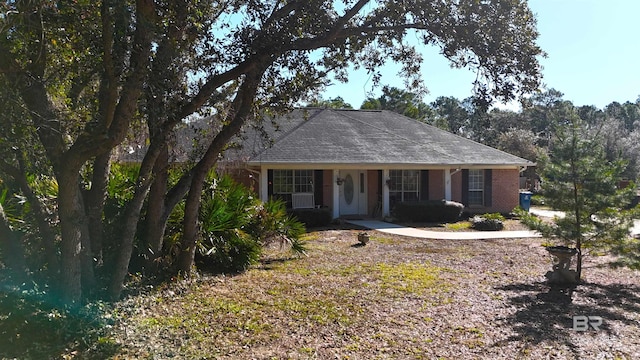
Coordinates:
<point>395,298</point>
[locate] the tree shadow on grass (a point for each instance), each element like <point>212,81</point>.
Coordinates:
<point>546,314</point>
<point>35,328</point>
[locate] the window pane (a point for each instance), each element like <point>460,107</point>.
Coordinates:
<point>396,180</point>
<point>304,181</point>
<point>282,181</point>
<point>410,196</point>
<point>410,180</point>
<point>476,198</point>
<point>476,180</point>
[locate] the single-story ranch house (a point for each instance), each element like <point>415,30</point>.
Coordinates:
<point>363,162</point>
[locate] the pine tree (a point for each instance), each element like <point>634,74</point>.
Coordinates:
<point>579,180</point>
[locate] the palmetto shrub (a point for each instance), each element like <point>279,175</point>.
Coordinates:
<point>236,226</point>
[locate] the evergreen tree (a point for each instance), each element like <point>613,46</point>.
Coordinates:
<point>579,180</point>
<point>402,102</point>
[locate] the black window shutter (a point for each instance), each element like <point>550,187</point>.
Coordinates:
<point>317,186</point>
<point>487,187</point>
<point>270,183</point>
<point>465,187</point>
<point>424,185</point>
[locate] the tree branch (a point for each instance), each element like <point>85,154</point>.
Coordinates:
<point>88,145</point>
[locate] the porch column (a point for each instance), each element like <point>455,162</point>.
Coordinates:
<point>264,184</point>
<point>385,193</point>
<point>336,194</point>
<point>447,184</point>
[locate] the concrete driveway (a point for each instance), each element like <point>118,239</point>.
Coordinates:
<point>635,230</point>
<point>389,228</point>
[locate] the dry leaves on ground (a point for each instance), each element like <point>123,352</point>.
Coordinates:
<point>395,298</point>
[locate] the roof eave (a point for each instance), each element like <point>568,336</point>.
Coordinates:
<point>378,166</point>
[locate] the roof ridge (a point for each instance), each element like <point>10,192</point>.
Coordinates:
<point>397,135</point>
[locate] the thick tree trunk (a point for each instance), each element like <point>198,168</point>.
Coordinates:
<point>129,226</point>
<point>131,218</point>
<point>171,200</point>
<point>154,224</point>
<point>95,199</point>
<point>86,255</point>
<point>190,223</point>
<point>70,213</point>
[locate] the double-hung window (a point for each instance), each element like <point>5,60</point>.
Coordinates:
<point>404,185</point>
<point>292,181</point>
<point>476,187</point>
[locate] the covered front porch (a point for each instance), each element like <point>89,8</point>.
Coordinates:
<point>349,192</point>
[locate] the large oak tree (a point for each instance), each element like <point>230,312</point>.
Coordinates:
<point>88,73</point>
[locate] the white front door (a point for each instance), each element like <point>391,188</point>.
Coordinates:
<point>353,192</point>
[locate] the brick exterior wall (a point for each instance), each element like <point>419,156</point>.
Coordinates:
<point>505,190</point>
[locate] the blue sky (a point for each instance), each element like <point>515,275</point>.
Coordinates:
<point>593,49</point>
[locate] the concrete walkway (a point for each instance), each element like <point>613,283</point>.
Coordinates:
<point>389,228</point>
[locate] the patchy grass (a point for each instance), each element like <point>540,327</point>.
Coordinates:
<point>413,278</point>
<point>387,240</point>
<point>459,226</point>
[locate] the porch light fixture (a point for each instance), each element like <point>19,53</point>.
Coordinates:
<point>389,182</point>
<point>339,181</point>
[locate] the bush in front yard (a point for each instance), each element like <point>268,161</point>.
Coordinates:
<point>312,217</point>
<point>428,211</point>
<point>537,200</point>
<point>488,222</point>
<point>236,226</point>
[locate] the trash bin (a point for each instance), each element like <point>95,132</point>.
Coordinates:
<point>525,200</point>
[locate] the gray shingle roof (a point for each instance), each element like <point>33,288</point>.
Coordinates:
<point>255,138</point>
<point>369,137</point>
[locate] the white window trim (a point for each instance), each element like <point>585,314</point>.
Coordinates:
<point>400,188</point>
